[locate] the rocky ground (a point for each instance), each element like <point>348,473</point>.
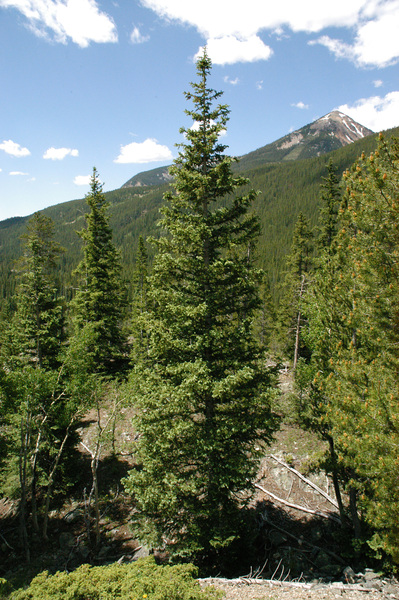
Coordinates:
<point>272,590</point>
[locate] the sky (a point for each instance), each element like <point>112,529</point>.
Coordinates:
<point>100,83</point>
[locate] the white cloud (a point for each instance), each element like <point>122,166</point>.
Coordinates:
<point>14,149</point>
<point>300,105</point>
<point>376,113</point>
<point>82,180</point>
<point>259,85</point>
<point>231,49</point>
<point>227,79</point>
<point>196,126</point>
<point>18,173</point>
<point>376,42</point>
<point>145,152</point>
<point>79,20</point>
<point>378,83</point>
<point>373,23</point>
<point>59,153</point>
<point>138,38</point>
<point>232,18</point>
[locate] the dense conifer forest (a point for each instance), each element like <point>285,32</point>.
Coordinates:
<point>181,304</point>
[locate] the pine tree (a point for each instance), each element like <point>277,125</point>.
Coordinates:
<point>37,329</point>
<point>100,299</point>
<point>296,281</point>
<point>321,305</point>
<point>330,195</point>
<point>203,395</point>
<point>353,325</point>
<point>140,302</point>
<point>364,385</point>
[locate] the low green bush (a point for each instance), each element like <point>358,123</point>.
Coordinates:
<point>142,580</point>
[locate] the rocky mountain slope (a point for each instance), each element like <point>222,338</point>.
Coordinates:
<point>328,133</point>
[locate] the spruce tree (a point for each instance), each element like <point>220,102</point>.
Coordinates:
<point>296,281</point>
<point>37,328</point>
<point>321,306</point>
<point>140,302</point>
<point>330,195</point>
<point>202,393</point>
<point>100,299</point>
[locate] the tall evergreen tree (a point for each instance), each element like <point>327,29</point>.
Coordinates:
<point>330,195</point>
<point>140,302</point>
<point>321,307</point>
<point>202,393</point>
<point>37,329</point>
<point>364,386</point>
<point>353,324</point>
<point>100,299</point>
<point>296,281</point>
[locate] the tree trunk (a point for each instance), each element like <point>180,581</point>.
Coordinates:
<point>23,460</point>
<point>336,485</point>
<point>51,479</point>
<point>298,324</point>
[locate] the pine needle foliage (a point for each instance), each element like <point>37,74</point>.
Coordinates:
<point>202,393</point>
<point>37,328</point>
<point>100,298</point>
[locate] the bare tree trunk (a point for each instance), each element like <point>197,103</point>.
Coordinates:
<point>51,480</point>
<point>23,461</point>
<point>34,479</point>
<point>298,325</point>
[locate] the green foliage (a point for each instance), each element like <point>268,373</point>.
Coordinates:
<point>37,328</point>
<point>291,316</point>
<point>100,298</point>
<point>286,189</point>
<point>202,392</point>
<point>143,580</point>
<point>139,303</point>
<point>353,326</point>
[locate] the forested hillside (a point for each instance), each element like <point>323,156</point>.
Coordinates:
<point>285,190</point>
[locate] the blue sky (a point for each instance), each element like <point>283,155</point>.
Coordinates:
<point>100,83</point>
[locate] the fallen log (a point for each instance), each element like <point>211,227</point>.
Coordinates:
<point>318,513</point>
<point>306,480</point>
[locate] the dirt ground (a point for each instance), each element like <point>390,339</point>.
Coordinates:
<point>268,590</point>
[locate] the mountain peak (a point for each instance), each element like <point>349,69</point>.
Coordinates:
<point>328,133</point>
<point>340,125</point>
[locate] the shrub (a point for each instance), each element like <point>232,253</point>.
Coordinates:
<point>142,580</point>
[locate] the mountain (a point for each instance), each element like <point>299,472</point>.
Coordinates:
<point>328,133</point>
<point>286,188</point>
<point>153,177</point>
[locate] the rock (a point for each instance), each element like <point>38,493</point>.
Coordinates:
<point>104,551</point>
<point>316,534</point>
<point>74,515</point>
<point>349,575</point>
<point>66,540</point>
<point>277,538</point>
<point>84,551</point>
<point>392,590</point>
<point>142,552</point>
<point>370,575</point>
<point>322,559</point>
<point>332,570</point>
<point>374,584</point>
